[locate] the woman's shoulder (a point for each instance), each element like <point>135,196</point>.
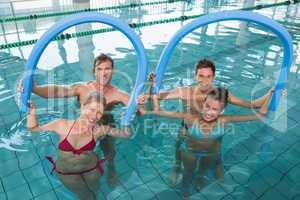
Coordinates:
<point>63,125</point>
<point>192,120</point>
<point>62,121</point>
<point>57,125</point>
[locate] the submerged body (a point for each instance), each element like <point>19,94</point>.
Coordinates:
<point>193,98</point>
<point>77,165</point>
<point>103,69</point>
<point>203,135</point>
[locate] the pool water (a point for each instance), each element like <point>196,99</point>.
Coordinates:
<point>261,159</point>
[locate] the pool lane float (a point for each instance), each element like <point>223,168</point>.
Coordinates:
<point>81,18</point>
<point>272,25</point>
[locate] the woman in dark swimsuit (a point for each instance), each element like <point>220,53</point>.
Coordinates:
<point>78,166</point>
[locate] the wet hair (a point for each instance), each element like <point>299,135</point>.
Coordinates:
<point>220,94</point>
<point>95,97</point>
<point>100,59</point>
<point>204,63</point>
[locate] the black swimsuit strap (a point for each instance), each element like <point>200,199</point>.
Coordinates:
<point>183,124</point>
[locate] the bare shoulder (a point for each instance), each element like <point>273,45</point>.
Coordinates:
<point>63,123</point>
<point>185,89</point>
<point>81,85</point>
<point>191,118</point>
<point>224,119</point>
<point>118,91</point>
<point>120,95</point>
<point>82,90</point>
<point>57,126</point>
<point>66,126</point>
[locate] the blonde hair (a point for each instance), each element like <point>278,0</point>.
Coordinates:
<point>95,97</point>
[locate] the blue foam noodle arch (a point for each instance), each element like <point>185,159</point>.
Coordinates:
<point>81,18</point>
<point>272,25</point>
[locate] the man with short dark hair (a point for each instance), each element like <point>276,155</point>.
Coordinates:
<point>103,69</point>
<point>193,98</point>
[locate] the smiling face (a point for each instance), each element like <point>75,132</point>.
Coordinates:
<point>212,109</point>
<point>205,74</point>
<point>92,112</point>
<point>214,104</point>
<point>93,108</point>
<point>103,72</point>
<point>205,78</point>
<point>103,69</point>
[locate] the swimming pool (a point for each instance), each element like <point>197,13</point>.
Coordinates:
<point>261,160</point>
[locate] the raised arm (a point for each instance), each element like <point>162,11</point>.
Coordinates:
<point>237,101</point>
<point>179,115</point>
<point>258,115</point>
<point>172,94</point>
<point>248,104</point>
<point>33,124</point>
<point>178,93</point>
<point>56,91</point>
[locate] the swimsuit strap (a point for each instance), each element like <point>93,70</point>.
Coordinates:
<point>100,163</point>
<point>93,134</point>
<point>71,128</point>
<point>183,124</point>
<point>216,125</point>
<point>215,131</point>
<point>197,131</point>
<point>50,159</point>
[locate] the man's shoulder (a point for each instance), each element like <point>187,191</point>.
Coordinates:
<point>186,90</point>
<point>118,91</point>
<point>180,89</point>
<point>80,88</point>
<point>82,85</point>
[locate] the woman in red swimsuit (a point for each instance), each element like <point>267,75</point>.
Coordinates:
<point>78,166</point>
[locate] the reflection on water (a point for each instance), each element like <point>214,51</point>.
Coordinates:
<point>247,60</point>
<point>242,54</point>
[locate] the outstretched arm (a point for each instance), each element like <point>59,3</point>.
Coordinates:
<point>53,91</point>
<point>248,104</point>
<point>258,115</point>
<point>177,93</point>
<point>179,115</point>
<point>172,94</point>
<point>56,91</point>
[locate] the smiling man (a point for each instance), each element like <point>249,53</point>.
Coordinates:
<point>103,69</point>
<point>193,98</point>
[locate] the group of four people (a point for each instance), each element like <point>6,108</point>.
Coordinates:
<point>79,167</point>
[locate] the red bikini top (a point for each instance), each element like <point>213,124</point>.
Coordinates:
<point>65,145</point>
